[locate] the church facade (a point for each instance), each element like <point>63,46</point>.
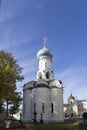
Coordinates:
<point>43,98</point>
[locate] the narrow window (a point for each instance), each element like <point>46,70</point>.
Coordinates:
<point>52,107</point>
<point>45,64</point>
<point>24,108</point>
<point>40,75</point>
<point>48,75</point>
<point>43,108</point>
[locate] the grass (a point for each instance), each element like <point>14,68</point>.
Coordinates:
<point>49,126</point>
<point>55,126</point>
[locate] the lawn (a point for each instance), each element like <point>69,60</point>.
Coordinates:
<point>49,126</point>
<point>55,126</point>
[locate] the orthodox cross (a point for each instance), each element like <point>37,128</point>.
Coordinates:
<point>45,41</point>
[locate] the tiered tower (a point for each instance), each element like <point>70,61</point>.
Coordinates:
<point>45,59</point>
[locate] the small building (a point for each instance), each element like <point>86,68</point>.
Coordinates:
<point>43,98</point>
<point>75,107</point>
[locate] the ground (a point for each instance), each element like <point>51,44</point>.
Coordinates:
<point>67,125</point>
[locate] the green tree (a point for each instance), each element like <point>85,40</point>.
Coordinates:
<point>15,103</point>
<point>10,73</point>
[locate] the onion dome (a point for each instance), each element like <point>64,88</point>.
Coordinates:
<point>71,97</point>
<point>44,53</point>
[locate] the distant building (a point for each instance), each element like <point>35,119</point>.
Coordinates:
<point>43,98</point>
<point>75,107</point>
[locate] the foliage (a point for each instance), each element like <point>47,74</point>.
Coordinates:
<point>1,108</point>
<point>15,103</point>
<point>10,73</point>
<point>80,108</point>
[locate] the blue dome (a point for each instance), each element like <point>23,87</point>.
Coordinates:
<point>44,53</point>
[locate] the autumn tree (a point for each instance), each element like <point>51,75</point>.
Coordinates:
<point>10,73</point>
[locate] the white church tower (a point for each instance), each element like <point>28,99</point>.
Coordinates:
<point>45,58</point>
<point>43,98</point>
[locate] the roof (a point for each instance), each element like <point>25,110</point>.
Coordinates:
<point>41,83</point>
<point>84,100</point>
<point>71,97</point>
<point>44,53</point>
<point>29,85</point>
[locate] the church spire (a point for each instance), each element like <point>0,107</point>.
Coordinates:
<point>45,41</point>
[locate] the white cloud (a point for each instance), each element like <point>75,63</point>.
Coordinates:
<point>11,38</point>
<point>40,4</point>
<point>28,72</point>
<point>29,65</point>
<point>5,16</point>
<point>10,9</point>
<point>74,81</point>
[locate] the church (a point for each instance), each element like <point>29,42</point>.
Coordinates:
<point>43,98</point>
<point>75,107</point>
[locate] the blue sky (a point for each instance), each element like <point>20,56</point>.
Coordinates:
<point>24,23</point>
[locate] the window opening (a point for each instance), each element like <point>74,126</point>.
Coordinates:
<point>43,107</point>
<point>52,107</point>
<point>47,75</point>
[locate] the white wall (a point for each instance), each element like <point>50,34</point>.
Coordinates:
<point>57,99</point>
<point>27,105</point>
<point>46,95</point>
<point>41,95</point>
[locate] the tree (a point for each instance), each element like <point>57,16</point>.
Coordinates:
<point>10,73</point>
<point>80,108</point>
<point>15,103</point>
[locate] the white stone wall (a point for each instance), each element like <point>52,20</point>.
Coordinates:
<point>47,96</point>
<point>44,64</point>
<point>61,113</point>
<point>41,95</point>
<point>84,105</point>
<point>57,99</point>
<point>27,105</point>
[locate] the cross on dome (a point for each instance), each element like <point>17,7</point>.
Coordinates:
<point>45,41</point>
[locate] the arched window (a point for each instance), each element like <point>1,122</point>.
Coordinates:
<point>48,75</point>
<point>52,107</point>
<point>40,75</point>
<point>24,108</point>
<point>43,107</point>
